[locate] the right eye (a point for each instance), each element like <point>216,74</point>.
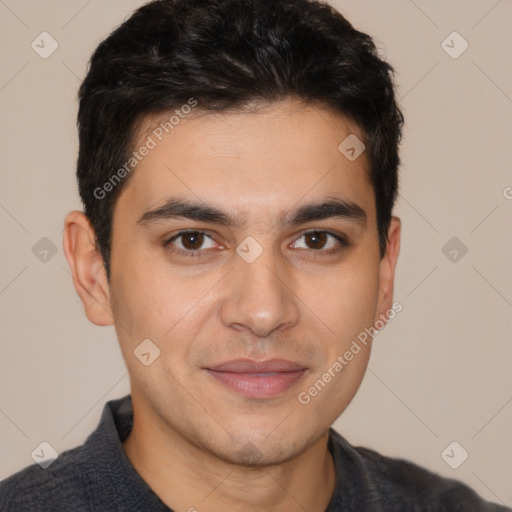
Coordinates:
<point>189,243</point>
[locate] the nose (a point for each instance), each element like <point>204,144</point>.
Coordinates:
<point>260,296</point>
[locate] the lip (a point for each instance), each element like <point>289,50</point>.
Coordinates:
<point>250,366</point>
<point>258,379</point>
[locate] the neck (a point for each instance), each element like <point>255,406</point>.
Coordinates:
<point>185,477</point>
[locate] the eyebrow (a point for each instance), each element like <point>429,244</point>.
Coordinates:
<point>176,208</point>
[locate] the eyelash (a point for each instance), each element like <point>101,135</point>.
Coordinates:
<point>343,243</point>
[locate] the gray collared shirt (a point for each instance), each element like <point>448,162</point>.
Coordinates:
<point>98,477</point>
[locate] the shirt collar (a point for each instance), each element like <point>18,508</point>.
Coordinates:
<point>112,483</point>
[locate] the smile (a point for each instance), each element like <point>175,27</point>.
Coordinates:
<point>257,379</point>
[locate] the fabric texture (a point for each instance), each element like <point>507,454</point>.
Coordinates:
<point>99,477</point>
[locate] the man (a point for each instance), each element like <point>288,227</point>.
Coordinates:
<point>238,168</point>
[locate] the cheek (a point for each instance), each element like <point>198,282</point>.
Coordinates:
<point>343,300</point>
<point>346,304</point>
<point>156,302</point>
<point>150,306</point>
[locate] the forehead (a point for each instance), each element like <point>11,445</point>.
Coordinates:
<point>277,154</point>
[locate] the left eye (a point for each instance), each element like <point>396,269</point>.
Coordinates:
<point>318,240</point>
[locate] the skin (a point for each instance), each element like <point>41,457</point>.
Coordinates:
<point>196,442</point>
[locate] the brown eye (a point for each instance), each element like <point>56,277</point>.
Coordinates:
<point>321,242</point>
<point>192,240</point>
<point>316,239</point>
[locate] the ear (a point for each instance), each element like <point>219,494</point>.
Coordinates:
<point>387,268</point>
<point>87,270</point>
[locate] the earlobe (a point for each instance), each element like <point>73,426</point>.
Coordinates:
<point>87,269</point>
<point>387,268</point>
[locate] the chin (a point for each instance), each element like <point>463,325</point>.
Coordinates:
<point>256,448</point>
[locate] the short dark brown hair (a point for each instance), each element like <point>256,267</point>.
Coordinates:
<point>227,54</point>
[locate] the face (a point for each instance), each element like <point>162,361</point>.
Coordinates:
<point>224,257</point>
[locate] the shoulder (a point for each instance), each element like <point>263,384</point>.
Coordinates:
<point>59,487</point>
<point>404,478</point>
<point>81,477</point>
<point>401,483</point>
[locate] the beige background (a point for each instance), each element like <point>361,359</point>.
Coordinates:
<point>440,371</point>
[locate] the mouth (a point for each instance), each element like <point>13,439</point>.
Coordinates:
<point>252,379</point>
